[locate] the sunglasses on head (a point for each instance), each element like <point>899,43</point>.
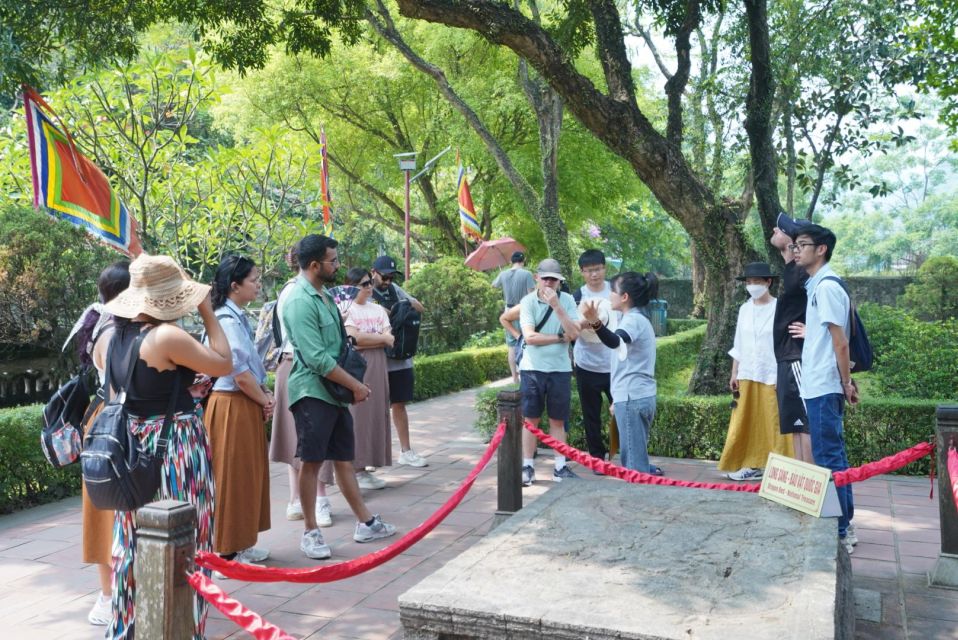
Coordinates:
<point>550,279</point>
<point>366,283</point>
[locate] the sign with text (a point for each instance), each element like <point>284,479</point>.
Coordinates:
<point>796,484</point>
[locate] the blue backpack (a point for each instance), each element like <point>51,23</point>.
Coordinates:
<point>859,348</point>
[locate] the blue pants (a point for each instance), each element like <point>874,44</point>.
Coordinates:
<point>634,419</point>
<point>825,415</point>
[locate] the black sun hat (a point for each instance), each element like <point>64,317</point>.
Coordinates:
<point>757,270</point>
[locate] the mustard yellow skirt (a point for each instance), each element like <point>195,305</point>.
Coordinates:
<point>753,431</point>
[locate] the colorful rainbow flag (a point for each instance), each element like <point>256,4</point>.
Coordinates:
<point>468,220</point>
<point>69,186</point>
<point>324,186</point>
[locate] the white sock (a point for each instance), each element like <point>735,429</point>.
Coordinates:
<point>527,462</point>
<point>322,500</point>
<point>560,462</point>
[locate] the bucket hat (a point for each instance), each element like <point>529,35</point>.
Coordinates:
<point>757,270</point>
<point>159,288</point>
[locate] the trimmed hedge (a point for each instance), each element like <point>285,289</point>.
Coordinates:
<point>26,478</point>
<point>447,372</point>
<point>678,325</point>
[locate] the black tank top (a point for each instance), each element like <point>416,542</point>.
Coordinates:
<point>149,392</point>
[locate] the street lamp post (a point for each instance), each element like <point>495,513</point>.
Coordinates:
<point>407,164</point>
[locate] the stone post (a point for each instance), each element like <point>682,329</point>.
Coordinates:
<point>509,465</point>
<point>945,573</point>
<point>166,534</point>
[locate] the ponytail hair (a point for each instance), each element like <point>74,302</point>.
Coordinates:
<point>640,288</point>
<point>232,268</point>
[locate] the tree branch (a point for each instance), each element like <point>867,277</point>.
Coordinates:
<point>675,86</point>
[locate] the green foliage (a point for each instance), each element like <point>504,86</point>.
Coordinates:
<point>934,294</point>
<point>458,302</point>
<point>26,478</point>
<point>48,271</point>
<point>485,339</point>
<point>448,372</point>
<point>680,325</point>
<point>675,353</point>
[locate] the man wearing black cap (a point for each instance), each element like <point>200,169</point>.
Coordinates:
<point>792,301</point>
<point>515,283</point>
<point>387,293</point>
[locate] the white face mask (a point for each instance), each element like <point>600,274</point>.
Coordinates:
<point>756,290</point>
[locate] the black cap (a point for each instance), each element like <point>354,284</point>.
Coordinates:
<point>790,226</point>
<point>757,270</point>
<point>518,256</point>
<point>385,265</point>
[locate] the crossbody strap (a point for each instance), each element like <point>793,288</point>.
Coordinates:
<point>545,318</point>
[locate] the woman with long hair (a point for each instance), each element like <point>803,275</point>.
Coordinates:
<point>93,333</point>
<point>633,363</point>
<point>238,406</point>
<point>160,292</point>
<point>368,324</point>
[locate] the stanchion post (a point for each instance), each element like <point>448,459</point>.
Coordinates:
<point>166,533</point>
<point>509,465</point>
<point>945,573</point>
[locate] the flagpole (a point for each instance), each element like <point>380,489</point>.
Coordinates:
<point>407,223</point>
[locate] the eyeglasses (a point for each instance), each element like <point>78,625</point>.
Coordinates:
<point>366,283</point>
<point>799,246</point>
<point>735,396</point>
<point>333,261</point>
<point>549,279</point>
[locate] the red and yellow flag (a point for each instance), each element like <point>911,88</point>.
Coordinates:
<point>468,220</point>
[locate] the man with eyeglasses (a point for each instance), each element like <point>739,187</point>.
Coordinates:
<point>515,283</point>
<point>826,382</point>
<point>549,321</point>
<point>401,380</point>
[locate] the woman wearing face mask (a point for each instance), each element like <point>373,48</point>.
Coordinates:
<point>753,431</point>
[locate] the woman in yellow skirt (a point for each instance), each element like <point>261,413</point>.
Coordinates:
<point>235,415</point>
<point>753,431</point>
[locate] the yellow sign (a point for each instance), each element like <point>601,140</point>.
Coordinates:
<point>795,484</point>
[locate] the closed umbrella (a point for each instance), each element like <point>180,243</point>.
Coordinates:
<point>491,254</point>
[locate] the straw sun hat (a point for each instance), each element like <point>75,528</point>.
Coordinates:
<point>159,288</point>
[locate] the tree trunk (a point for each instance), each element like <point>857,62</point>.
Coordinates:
<point>698,283</point>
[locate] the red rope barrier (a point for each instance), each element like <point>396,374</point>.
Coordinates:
<point>629,475</point>
<point>235,611</point>
<point>341,570</point>
<point>854,474</point>
<point>885,465</point>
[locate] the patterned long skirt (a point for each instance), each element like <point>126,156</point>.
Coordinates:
<point>187,476</point>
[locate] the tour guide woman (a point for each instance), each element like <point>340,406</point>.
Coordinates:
<point>160,292</point>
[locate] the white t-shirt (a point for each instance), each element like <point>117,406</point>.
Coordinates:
<point>593,356</point>
<point>827,304</point>
<point>753,346</point>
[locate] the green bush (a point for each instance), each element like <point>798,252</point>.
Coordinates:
<point>675,353</point>
<point>459,302</point>
<point>934,293</point>
<point>678,325</point>
<point>448,372</point>
<point>485,339</point>
<point>26,478</point>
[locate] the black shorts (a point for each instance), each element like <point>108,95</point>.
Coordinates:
<point>551,391</point>
<point>791,408</point>
<point>323,431</point>
<point>401,385</point>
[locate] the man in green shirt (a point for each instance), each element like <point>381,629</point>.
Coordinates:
<point>324,427</point>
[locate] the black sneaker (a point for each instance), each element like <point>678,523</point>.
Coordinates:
<point>528,476</point>
<point>565,473</point>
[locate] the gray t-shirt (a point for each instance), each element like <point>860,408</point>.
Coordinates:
<point>593,356</point>
<point>634,377</point>
<point>515,283</point>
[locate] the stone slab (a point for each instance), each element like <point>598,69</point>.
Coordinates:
<point>604,560</point>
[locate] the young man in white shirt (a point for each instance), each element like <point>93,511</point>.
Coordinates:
<point>826,370</point>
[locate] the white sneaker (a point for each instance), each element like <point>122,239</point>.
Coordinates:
<point>413,459</point>
<point>378,529</point>
<point>294,511</point>
<point>745,473</point>
<point>367,480</point>
<point>849,547</point>
<point>324,512</point>
<point>314,546</point>
<point>251,555</point>
<point>850,536</point>
<point>102,612</point>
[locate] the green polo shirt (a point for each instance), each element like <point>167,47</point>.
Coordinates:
<point>311,321</point>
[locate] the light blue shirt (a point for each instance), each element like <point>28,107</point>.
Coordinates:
<point>827,304</point>
<point>549,358</point>
<point>634,377</point>
<point>239,333</point>
<point>593,356</point>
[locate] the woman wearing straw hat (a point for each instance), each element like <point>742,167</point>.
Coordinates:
<point>160,292</point>
<point>234,417</point>
<point>753,429</point>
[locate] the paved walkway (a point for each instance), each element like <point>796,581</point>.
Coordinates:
<point>45,592</point>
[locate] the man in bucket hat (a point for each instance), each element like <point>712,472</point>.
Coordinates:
<point>546,379</point>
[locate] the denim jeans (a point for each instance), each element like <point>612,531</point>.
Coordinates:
<point>828,446</point>
<point>634,419</point>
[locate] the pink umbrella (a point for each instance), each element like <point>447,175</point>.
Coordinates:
<point>491,254</point>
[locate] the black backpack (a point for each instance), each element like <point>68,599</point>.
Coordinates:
<point>405,322</point>
<point>64,417</point>
<point>859,347</point>
<point>119,473</point>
